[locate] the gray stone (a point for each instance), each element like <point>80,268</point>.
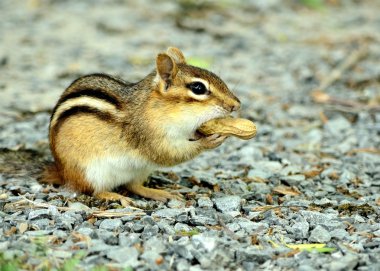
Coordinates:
<point>249,227</point>
<point>129,239</point>
<point>182,265</point>
<point>38,233</point>
<point>319,235</point>
<point>179,227</point>
<point>346,177</point>
<point>155,243</point>
<point>79,206</point>
<point>271,166</point>
<point>259,188</point>
<point>316,217</point>
<point>226,218</point>
<point>338,126</point>
<point>169,213</point>
<point>38,214</point>
<point>63,254</point>
<point>286,263</point>
<point>206,243</point>
<point>324,201</point>
<point>107,236</point>
<point>253,254</point>
<point>306,268</point>
<point>4,245</point>
<point>97,245</point>
<point>248,265</point>
<point>182,217</point>
<point>111,224</point>
<point>259,173</point>
<point>138,226</point>
<point>300,229</point>
<point>150,257</point>
<point>127,256</point>
<point>347,262</point>
<point>358,219</point>
<point>204,259</point>
<point>290,170</point>
<point>148,220</point>
<point>166,227</point>
<point>173,203</point>
<point>53,211</point>
<point>196,268</point>
<point>228,203</point>
<point>60,234</point>
<point>41,224</point>
<point>250,154</point>
<point>86,231</point>
<point>65,221</point>
<point>205,202</point>
<point>202,217</point>
<point>293,180</point>
<point>331,225</point>
<point>183,248</point>
<point>150,231</point>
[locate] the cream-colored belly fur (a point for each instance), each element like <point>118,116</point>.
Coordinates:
<point>107,173</point>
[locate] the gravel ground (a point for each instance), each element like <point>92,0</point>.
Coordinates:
<point>311,175</point>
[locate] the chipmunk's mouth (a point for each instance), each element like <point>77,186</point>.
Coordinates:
<point>198,135</point>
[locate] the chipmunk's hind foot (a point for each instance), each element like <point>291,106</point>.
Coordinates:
<point>112,196</point>
<point>152,193</point>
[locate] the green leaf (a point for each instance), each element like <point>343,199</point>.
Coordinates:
<point>305,246</point>
<point>321,248</point>
<point>188,233</point>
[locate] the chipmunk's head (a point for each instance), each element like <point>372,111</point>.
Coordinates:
<point>189,95</point>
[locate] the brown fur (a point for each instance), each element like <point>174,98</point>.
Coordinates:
<point>51,175</point>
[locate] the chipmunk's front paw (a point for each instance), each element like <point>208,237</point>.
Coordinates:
<point>212,141</point>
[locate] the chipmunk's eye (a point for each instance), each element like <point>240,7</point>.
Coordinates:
<point>198,88</point>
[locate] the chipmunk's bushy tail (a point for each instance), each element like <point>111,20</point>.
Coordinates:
<point>50,175</point>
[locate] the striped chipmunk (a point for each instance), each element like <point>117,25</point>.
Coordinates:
<point>105,132</point>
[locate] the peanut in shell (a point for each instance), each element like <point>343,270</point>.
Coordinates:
<point>241,128</point>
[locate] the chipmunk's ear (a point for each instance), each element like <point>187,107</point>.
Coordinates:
<point>166,68</point>
<point>177,55</point>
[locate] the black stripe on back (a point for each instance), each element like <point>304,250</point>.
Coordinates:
<point>95,93</point>
<point>76,110</point>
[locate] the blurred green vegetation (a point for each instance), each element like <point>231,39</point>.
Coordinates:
<point>313,4</point>
<point>204,62</point>
<point>9,264</point>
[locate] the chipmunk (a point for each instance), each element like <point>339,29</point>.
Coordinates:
<point>105,132</point>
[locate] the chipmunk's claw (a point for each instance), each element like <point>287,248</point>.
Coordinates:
<point>213,141</point>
